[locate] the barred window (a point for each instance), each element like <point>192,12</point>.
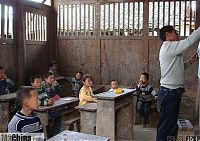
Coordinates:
<point>180,14</point>
<point>36,27</point>
<point>76,20</point>
<point>122,19</point>
<point>6,24</point>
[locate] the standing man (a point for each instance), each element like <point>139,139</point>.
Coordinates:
<point>172,80</point>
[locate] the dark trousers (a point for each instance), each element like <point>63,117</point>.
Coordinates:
<point>54,128</point>
<point>144,110</point>
<point>169,101</point>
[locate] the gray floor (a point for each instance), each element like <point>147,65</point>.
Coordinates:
<point>144,134</point>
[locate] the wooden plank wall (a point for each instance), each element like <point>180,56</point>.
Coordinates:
<point>20,57</point>
<point>115,57</point>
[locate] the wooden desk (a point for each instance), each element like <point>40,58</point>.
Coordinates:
<point>115,115</point>
<point>98,89</point>
<point>64,106</point>
<point>88,118</point>
<point>6,110</point>
<point>76,136</point>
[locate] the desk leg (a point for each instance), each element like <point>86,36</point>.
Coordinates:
<point>124,122</point>
<point>44,119</point>
<point>88,122</point>
<point>4,116</point>
<point>106,119</point>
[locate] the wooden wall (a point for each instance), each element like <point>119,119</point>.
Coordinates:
<point>115,57</point>
<point>23,58</point>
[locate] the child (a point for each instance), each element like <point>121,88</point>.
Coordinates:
<point>114,85</point>
<point>51,87</point>
<point>36,82</point>
<point>5,84</point>
<point>53,91</point>
<point>53,67</point>
<point>26,121</point>
<point>145,92</point>
<point>76,83</point>
<point>85,94</point>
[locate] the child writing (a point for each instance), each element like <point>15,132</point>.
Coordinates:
<point>145,92</point>
<point>114,85</point>
<point>26,121</point>
<point>85,94</point>
<point>51,86</point>
<point>5,84</point>
<point>44,100</point>
<point>76,83</point>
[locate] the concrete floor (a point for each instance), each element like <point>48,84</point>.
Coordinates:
<point>144,134</point>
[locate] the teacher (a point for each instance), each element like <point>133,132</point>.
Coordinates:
<point>172,80</point>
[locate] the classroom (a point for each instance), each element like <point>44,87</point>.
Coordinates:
<point>108,70</point>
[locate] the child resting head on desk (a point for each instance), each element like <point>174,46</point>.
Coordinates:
<point>85,94</point>
<point>51,86</point>
<point>5,84</point>
<point>26,121</point>
<point>44,99</point>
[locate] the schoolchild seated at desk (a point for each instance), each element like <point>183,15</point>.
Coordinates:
<point>6,84</point>
<point>85,94</point>
<point>25,120</point>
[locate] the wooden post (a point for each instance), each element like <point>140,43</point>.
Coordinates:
<point>20,41</point>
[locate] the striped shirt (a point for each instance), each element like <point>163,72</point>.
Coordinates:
<point>25,124</point>
<point>145,92</point>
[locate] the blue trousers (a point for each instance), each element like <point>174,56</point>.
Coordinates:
<point>169,101</point>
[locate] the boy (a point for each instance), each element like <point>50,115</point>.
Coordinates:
<point>76,83</point>
<point>26,121</point>
<point>53,91</point>
<point>172,80</point>
<point>36,82</point>
<point>5,84</point>
<point>85,95</point>
<point>114,85</point>
<point>145,92</point>
<point>53,67</point>
<point>51,87</point>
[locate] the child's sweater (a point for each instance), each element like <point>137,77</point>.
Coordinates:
<point>76,84</point>
<point>5,86</point>
<point>171,60</point>
<point>85,96</point>
<point>145,92</point>
<point>25,124</point>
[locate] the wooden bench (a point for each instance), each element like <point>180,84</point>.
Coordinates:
<point>73,124</point>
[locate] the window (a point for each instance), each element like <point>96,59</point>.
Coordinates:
<point>36,27</point>
<point>122,19</point>
<point>180,14</point>
<point>6,24</point>
<point>76,20</point>
<point>47,2</point>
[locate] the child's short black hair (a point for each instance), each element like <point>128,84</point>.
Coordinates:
<point>23,93</point>
<point>47,74</point>
<point>86,76</point>
<point>1,68</point>
<point>164,30</point>
<point>80,73</point>
<point>114,80</point>
<point>52,64</point>
<point>146,75</point>
<point>35,77</point>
